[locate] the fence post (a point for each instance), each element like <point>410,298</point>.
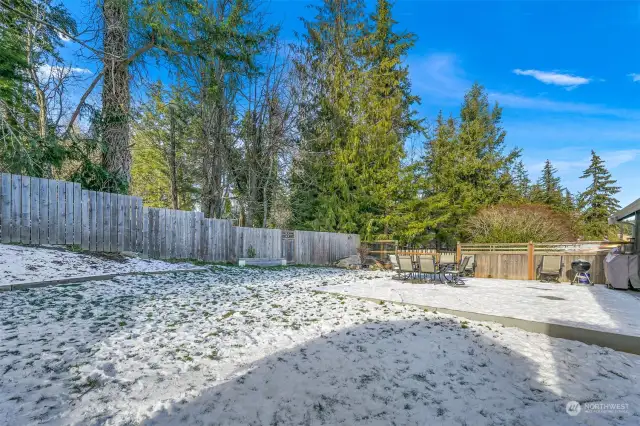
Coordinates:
<point>458,252</point>
<point>530,259</point>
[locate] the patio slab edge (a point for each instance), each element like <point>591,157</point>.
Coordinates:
<point>86,278</point>
<point>618,342</point>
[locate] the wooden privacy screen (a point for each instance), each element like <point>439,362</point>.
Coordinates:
<point>521,261</point>
<point>47,211</point>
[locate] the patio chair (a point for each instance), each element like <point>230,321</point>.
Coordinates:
<point>470,270</point>
<point>427,266</point>
<point>455,274</point>
<point>447,258</point>
<point>551,266</point>
<point>393,258</point>
<point>406,266</point>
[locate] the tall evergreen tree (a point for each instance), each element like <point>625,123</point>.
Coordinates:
<point>598,201</point>
<point>521,181</point>
<point>358,113</point>
<point>467,162</point>
<point>330,77</point>
<point>548,189</point>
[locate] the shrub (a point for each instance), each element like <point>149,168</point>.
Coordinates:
<point>519,224</point>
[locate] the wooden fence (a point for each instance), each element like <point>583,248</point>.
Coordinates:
<point>46,211</point>
<point>315,248</point>
<point>522,261</point>
<point>257,242</point>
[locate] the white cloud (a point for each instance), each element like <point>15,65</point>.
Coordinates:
<point>47,71</point>
<point>565,80</point>
<point>634,76</point>
<point>440,79</point>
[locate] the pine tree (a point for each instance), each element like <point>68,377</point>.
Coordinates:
<point>387,119</point>
<point>330,77</point>
<point>521,181</point>
<point>548,190</point>
<point>467,162</point>
<point>358,117</point>
<point>598,201</point>
<point>568,202</point>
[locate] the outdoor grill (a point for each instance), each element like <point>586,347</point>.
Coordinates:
<point>580,269</point>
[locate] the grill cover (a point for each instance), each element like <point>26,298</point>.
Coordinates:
<point>622,270</point>
<point>634,271</point>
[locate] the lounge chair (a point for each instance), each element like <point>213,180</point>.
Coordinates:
<point>393,258</point>
<point>455,273</point>
<point>447,258</point>
<point>406,266</point>
<point>427,266</point>
<point>551,266</point>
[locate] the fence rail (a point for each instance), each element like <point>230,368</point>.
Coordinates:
<point>46,211</point>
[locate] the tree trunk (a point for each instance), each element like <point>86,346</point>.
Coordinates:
<point>116,157</point>
<point>173,169</point>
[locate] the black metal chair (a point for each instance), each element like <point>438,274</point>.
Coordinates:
<point>455,274</point>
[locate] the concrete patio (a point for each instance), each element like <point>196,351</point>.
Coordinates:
<point>592,314</point>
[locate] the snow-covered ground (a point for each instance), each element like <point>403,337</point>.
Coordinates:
<point>258,347</point>
<point>20,264</point>
<point>593,307</point>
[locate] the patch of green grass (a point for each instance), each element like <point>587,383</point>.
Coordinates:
<point>464,324</point>
<point>214,355</point>
<point>122,323</point>
<point>228,314</point>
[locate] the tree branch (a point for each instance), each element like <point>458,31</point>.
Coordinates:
<point>57,29</point>
<point>97,78</point>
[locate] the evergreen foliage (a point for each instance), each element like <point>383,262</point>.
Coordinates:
<point>548,189</point>
<point>466,166</point>
<point>598,201</point>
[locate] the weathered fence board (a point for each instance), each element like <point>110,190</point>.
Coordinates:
<point>77,214</point>
<point>6,208</point>
<point>106,222</point>
<point>25,221</point>
<point>44,211</point>
<point>99,221</point>
<point>62,212</point>
<point>145,231</point>
<point>34,234</point>
<point>53,211</point>
<point>139,223</point>
<point>47,211</point>
<point>93,221</point>
<point>85,220</point>
<point>16,213</point>
<point>127,223</point>
<point>69,208</point>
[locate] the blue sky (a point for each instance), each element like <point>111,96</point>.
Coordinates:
<point>563,72</point>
